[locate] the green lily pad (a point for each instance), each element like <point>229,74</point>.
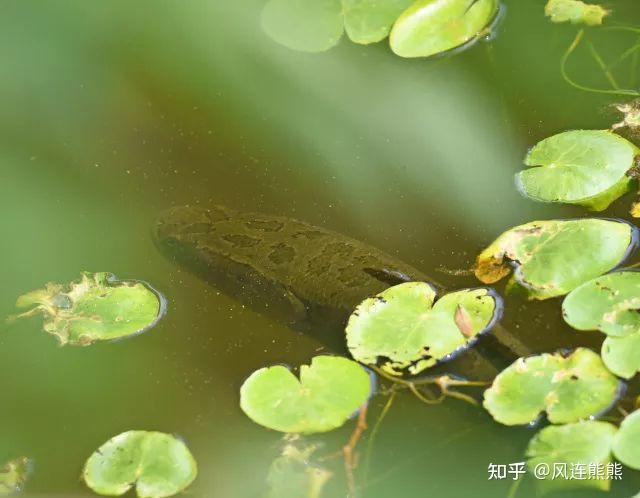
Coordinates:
<point>98,307</point>
<point>430,27</point>
<point>157,464</point>
<point>14,475</point>
<point>566,447</point>
<point>317,25</point>
<point>328,393</point>
<point>403,331</point>
<point>575,12</point>
<point>585,167</point>
<point>569,388</point>
<point>626,444</point>
<point>549,257</point>
<point>610,304</point>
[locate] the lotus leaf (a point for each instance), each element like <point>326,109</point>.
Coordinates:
<point>98,307</point>
<point>564,448</point>
<point>575,11</point>
<point>13,475</point>
<point>430,27</point>
<point>611,304</point>
<point>317,25</point>
<point>405,330</point>
<point>586,167</point>
<point>157,464</point>
<point>328,393</point>
<point>549,257</point>
<point>569,388</point>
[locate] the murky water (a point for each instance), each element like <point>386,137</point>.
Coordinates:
<point>113,111</point>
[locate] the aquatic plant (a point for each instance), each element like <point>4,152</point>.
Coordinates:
<point>295,474</point>
<point>591,168</point>
<point>548,259</point>
<point>431,27</point>
<point>578,444</point>
<point>157,464</point>
<point>98,307</point>
<point>404,329</point>
<point>13,475</point>
<point>575,12</point>
<point>610,304</point>
<point>587,445</point>
<point>568,387</point>
<point>417,28</point>
<point>329,391</point>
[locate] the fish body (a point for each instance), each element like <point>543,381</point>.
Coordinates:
<point>309,277</point>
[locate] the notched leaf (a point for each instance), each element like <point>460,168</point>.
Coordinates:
<point>568,387</point>
<point>404,330</point>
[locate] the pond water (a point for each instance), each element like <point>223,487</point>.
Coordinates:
<point>114,111</point>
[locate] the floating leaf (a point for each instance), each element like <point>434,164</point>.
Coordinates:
<point>13,475</point>
<point>403,331</point>
<point>575,11</point>
<point>317,25</point>
<point>564,447</point>
<point>626,447</point>
<point>569,388</point>
<point>626,444</point>
<point>369,21</point>
<point>610,304</point>
<point>98,307</point>
<point>328,393</point>
<point>549,257</point>
<point>157,464</point>
<point>586,167</point>
<point>430,27</point>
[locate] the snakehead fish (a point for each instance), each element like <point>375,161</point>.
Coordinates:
<point>308,277</point>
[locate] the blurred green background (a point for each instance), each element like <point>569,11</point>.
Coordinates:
<point>113,111</point>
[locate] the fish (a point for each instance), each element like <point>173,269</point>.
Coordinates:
<point>308,277</point>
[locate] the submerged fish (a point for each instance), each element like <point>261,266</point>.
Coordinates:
<point>309,277</point>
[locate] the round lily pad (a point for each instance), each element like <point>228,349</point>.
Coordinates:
<point>626,444</point>
<point>157,464</point>
<point>317,25</point>
<point>328,393</point>
<point>549,257</point>
<point>610,304</point>
<point>569,388</point>
<point>13,475</point>
<point>585,167</point>
<point>98,307</point>
<point>430,27</point>
<point>561,448</point>
<point>404,330</point>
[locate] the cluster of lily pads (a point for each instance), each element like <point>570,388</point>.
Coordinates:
<point>405,330</point>
<point>415,28</point>
<point>99,307</point>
